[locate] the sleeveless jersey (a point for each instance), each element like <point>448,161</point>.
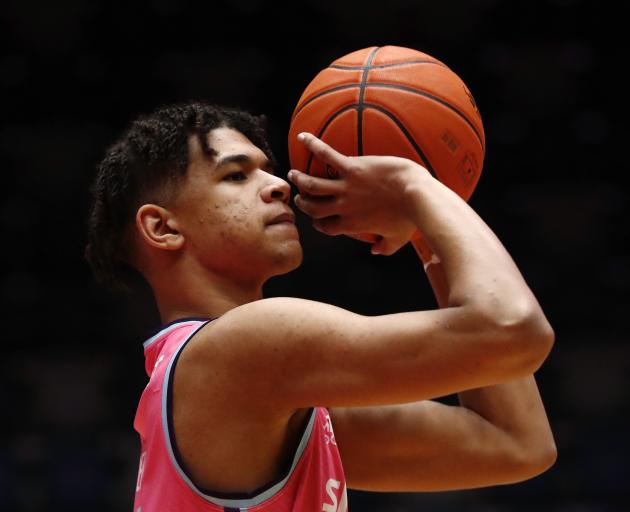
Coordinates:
<point>315,481</point>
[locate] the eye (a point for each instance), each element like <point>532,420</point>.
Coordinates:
<point>235,176</point>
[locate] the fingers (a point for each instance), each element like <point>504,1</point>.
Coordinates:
<point>313,186</point>
<point>317,207</point>
<point>323,151</point>
<point>331,226</point>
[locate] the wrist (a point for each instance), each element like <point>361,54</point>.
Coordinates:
<point>414,183</point>
<point>423,250</point>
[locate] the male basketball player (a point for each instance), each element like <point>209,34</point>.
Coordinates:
<point>280,404</point>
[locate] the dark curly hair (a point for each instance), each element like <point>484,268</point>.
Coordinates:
<point>147,164</point>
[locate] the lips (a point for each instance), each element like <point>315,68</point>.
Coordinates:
<point>283,217</point>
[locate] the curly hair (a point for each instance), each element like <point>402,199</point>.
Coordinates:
<point>148,164</point>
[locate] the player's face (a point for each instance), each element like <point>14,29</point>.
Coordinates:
<point>234,212</point>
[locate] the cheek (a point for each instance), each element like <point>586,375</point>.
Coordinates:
<point>241,215</point>
<point>232,220</point>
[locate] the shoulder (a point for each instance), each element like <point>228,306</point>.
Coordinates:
<point>242,362</point>
<point>279,308</point>
<point>267,348</point>
<point>280,318</point>
<point>236,351</point>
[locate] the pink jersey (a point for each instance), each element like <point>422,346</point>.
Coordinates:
<point>315,482</point>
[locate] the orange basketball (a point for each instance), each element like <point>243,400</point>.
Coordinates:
<point>393,101</point>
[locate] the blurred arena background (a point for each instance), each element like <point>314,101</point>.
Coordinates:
<point>73,73</point>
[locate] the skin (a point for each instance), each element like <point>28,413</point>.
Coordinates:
<point>245,382</point>
<point>211,249</point>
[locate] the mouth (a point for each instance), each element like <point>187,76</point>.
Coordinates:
<point>283,218</point>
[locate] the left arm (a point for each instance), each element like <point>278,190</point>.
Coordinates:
<point>429,446</point>
<point>497,435</point>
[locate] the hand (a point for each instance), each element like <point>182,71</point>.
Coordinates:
<point>368,196</point>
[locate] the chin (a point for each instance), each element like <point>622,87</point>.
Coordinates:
<point>288,259</point>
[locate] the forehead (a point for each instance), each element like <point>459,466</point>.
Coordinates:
<point>228,141</point>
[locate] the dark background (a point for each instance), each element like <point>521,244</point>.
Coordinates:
<point>73,74</point>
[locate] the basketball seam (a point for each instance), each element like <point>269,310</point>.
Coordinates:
<point>364,79</point>
<point>383,85</point>
<point>320,94</point>
<point>389,114</point>
<point>321,132</point>
<point>406,133</point>
<point>420,92</point>
<point>383,66</point>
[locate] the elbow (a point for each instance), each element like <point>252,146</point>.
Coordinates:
<point>527,338</point>
<point>534,461</point>
<point>550,457</point>
<point>543,458</point>
<point>541,338</point>
<point>537,338</point>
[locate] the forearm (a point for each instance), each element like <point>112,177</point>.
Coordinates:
<point>476,266</point>
<point>514,407</point>
<point>489,301</point>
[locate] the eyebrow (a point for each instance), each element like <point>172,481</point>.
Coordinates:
<point>242,159</point>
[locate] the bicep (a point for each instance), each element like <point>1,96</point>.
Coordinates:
<point>295,353</point>
<point>422,446</point>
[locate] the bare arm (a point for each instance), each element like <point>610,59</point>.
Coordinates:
<point>514,407</point>
<point>499,434</point>
<point>251,369</point>
<point>292,353</point>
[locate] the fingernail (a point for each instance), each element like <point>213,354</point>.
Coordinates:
<point>290,175</point>
<point>301,136</point>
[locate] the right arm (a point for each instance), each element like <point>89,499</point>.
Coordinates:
<point>498,434</point>
<point>514,409</point>
<point>291,353</point>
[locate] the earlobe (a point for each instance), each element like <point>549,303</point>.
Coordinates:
<point>158,228</point>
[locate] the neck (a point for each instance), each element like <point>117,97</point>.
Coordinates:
<point>205,295</point>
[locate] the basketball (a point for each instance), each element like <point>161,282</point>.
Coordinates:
<point>393,101</point>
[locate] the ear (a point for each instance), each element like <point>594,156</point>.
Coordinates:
<point>158,228</point>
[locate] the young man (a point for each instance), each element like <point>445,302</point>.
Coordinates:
<point>253,404</point>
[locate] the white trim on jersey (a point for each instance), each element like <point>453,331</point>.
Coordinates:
<point>168,329</point>
<point>230,503</point>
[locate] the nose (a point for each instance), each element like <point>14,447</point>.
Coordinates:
<point>276,190</point>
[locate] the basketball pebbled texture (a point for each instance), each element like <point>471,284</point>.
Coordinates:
<point>393,101</point>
